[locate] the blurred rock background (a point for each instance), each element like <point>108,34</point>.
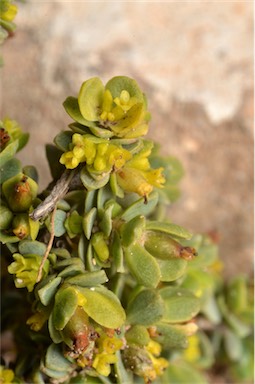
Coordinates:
<point>193,59</point>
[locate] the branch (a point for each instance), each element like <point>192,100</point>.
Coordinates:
<point>60,189</point>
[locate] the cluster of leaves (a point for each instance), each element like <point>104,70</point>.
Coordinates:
<point>109,291</point>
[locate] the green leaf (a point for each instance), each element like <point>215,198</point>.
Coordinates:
<point>9,169</point>
<point>180,304</point>
<point>55,360</point>
<point>90,98</point>
<point>90,201</point>
<point>47,293</point>
<point>66,302</point>
<point>132,231</point>
<point>71,106</point>
<point>103,307</point>
<point>142,265</point>
<point>180,372</point>
<point>59,223</point>
<point>73,224</point>
<point>35,247</point>
<point>88,279</point>
<point>139,207</point>
<point>106,221</point>
<point>54,334</point>
<point>146,308</point>
<point>169,336</point>
<point>138,334</point>
<point>6,238</point>
<point>117,253</point>
<point>88,222</point>
<point>233,345</point>
<point>121,374</point>
<point>90,183</point>
<point>169,228</point>
<point>5,217</point>
<point>120,83</point>
<point>63,140</point>
<point>172,269</point>
<point>8,152</point>
<point>31,171</point>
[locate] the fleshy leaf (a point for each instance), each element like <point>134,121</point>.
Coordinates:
<point>170,336</point>
<point>90,98</point>
<point>146,308</point>
<point>180,304</point>
<point>66,302</point>
<point>47,293</point>
<point>88,279</point>
<point>55,360</point>
<point>169,228</point>
<point>10,169</point>
<point>142,265</point>
<point>36,247</point>
<point>172,269</point>
<point>103,306</point>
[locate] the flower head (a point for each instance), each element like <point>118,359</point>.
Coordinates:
<point>26,267</point>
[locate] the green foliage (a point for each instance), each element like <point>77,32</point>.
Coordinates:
<point>110,291</point>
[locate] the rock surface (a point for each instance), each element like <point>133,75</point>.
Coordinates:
<point>193,60</point>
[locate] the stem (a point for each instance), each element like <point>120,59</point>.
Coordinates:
<point>60,189</point>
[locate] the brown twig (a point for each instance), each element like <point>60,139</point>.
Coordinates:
<point>60,189</point>
<point>49,246</point>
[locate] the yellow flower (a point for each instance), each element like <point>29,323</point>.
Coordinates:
<point>102,363</point>
<point>192,353</point>
<point>37,321</point>
<point>8,11</point>
<point>6,375</point>
<point>26,270</point>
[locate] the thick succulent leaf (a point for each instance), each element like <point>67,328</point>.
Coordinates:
<point>180,304</point>
<point>8,152</point>
<point>116,189</point>
<point>90,183</point>
<point>63,140</point>
<point>106,221</point>
<point>6,238</point>
<point>132,231</point>
<point>142,265</point>
<point>10,169</point>
<point>32,247</point>
<point>88,222</point>
<point>181,372</point>
<point>71,106</point>
<point>233,345</point>
<point>146,308</point>
<point>90,201</point>
<point>31,171</point>
<point>103,307</point>
<point>59,223</point>
<point>66,302</point>
<point>47,293</point>
<point>54,333</point>
<point>172,269</point>
<point>138,334</point>
<point>120,83</point>
<point>6,217</point>
<point>117,253</point>
<point>88,279</point>
<point>169,228</point>
<point>139,207</point>
<point>55,360</point>
<point>170,336</point>
<point>90,98</point>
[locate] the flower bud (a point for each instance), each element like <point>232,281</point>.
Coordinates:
<point>163,246</point>
<point>20,225</point>
<point>20,191</point>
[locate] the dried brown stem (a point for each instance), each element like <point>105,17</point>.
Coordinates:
<point>59,190</point>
